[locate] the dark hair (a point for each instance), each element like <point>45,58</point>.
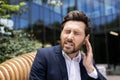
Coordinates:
<point>78,16</point>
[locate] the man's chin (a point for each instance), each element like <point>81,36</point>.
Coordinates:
<point>68,50</point>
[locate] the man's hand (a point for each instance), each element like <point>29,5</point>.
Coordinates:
<point>88,58</point>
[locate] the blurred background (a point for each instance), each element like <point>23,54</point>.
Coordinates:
<point>26,25</point>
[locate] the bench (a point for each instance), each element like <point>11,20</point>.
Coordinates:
<point>17,68</point>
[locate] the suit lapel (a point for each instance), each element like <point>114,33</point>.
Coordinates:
<point>84,75</point>
<point>61,62</point>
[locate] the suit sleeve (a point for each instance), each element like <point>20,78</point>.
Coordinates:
<point>38,70</point>
<point>100,76</point>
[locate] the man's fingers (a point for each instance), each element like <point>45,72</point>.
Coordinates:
<point>88,46</point>
<point>83,54</point>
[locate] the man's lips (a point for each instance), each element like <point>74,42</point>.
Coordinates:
<point>68,44</point>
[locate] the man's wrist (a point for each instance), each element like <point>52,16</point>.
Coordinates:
<point>90,69</point>
<point>93,74</point>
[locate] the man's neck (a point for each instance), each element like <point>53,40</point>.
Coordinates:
<point>73,55</point>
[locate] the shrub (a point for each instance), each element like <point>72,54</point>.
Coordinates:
<point>13,46</point>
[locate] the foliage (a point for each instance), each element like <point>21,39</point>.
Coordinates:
<point>13,46</point>
<point>17,43</point>
<point>6,9</point>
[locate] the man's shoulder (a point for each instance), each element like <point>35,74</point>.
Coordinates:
<point>48,52</point>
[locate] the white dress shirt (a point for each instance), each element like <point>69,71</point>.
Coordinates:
<point>73,67</point>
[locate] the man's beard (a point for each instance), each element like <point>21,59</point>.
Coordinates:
<point>68,50</point>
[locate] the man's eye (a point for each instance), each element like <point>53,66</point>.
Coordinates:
<point>67,31</point>
<point>76,33</point>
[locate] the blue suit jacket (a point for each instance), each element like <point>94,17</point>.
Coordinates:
<point>49,64</point>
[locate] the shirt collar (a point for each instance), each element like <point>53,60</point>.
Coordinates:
<point>77,58</point>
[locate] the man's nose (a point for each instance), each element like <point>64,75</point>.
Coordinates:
<point>70,36</point>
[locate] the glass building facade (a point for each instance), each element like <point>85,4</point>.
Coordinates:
<point>104,15</point>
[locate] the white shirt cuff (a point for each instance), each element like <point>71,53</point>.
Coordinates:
<point>94,74</point>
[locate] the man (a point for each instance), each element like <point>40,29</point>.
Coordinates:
<point>66,61</point>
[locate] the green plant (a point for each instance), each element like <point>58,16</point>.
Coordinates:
<point>7,9</point>
<point>13,46</point>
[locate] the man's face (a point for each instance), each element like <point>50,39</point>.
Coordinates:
<point>72,36</point>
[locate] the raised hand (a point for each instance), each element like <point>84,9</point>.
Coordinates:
<point>88,57</point>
